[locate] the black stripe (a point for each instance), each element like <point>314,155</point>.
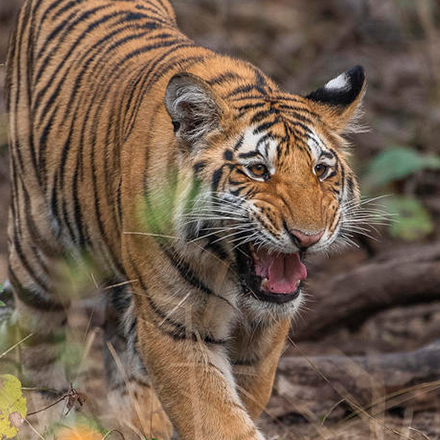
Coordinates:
<point>39,239</point>
<point>26,265</point>
<point>54,198</point>
<point>159,73</point>
<point>31,297</point>
<point>66,220</point>
<point>244,89</point>
<point>224,77</point>
<point>84,60</point>
<point>237,192</point>
<point>350,183</point>
<point>21,30</point>
<point>262,115</point>
<point>66,149</point>
<point>327,154</point>
<point>216,176</point>
<point>66,25</point>
<point>294,123</point>
<point>264,138</point>
<point>41,169</point>
<point>234,182</point>
<point>228,155</point>
<point>245,362</point>
<point>198,166</point>
<point>65,8</point>
<point>298,111</point>
<point>73,46</point>
<point>249,154</point>
<point>265,126</point>
<point>243,108</point>
<point>144,82</point>
<point>120,298</point>
<point>248,97</point>
<point>187,274</point>
<point>52,6</point>
<point>213,245</point>
<point>79,223</point>
<point>239,171</point>
<point>239,143</point>
<point>180,332</point>
<point>119,202</point>
<point>155,12</point>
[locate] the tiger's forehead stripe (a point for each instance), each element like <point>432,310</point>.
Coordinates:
<point>315,144</point>
<point>273,145</point>
<point>270,146</point>
<point>251,147</point>
<point>320,150</point>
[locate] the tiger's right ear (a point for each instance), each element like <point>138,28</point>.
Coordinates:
<point>192,106</point>
<point>338,102</point>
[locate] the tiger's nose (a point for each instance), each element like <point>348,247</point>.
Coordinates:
<point>305,239</point>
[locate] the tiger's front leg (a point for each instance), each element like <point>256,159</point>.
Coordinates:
<point>193,378</point>
<point>255,356</point>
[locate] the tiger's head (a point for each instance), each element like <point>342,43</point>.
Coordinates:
<point>275,180</point>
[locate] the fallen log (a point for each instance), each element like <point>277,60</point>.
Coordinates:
<point>408,276</point>
<point>316,385</point>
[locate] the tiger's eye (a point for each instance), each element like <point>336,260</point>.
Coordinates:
<point>320,170</point>
<point>258,170</point>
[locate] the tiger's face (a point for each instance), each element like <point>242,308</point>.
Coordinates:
<point>277,184</point>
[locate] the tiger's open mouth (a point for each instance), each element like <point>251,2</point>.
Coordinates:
<point>272,277</point>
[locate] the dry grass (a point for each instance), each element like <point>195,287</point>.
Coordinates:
<point>86,404</point>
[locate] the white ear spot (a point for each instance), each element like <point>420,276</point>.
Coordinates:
<point>338,83</point>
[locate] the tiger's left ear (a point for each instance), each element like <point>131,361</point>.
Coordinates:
<point>339,100</point>
<point>194,109</point>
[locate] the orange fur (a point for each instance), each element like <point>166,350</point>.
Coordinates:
<point>97,166</point>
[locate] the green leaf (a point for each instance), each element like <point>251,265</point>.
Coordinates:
<point>396,164</point>
<point>13,406</point>
<point>413,220</point>
<point>158,209</point>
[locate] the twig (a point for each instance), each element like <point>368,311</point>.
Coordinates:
<point>16,345</point>
<point>49,406</point>
<point>419,432</point>
<point>72,397</point>
<point>111,432</point>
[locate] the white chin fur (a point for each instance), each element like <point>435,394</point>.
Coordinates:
<point>261,312</point>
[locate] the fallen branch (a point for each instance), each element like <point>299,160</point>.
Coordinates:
<point>387,380</point>
<point>406,277</point>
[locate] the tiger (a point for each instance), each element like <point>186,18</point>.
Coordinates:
<point>194,184</point>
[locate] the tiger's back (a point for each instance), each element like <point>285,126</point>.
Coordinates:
<point>77,64</point>
<point>196,186</point>
<point>85,71</point>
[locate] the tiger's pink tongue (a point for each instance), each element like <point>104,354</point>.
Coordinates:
<point>283,271</point>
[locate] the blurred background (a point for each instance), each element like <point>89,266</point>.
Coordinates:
<point>364,357</point>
